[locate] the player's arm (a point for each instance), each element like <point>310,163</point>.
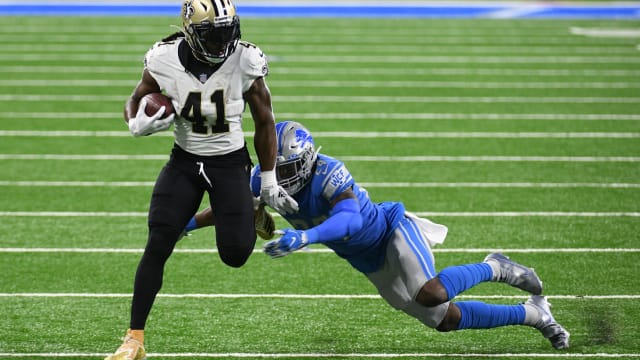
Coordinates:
<point>134,110</point>
<point>344,221</point>
<point>146,85</point>
<point>202,219</point>
<point>259,99</point>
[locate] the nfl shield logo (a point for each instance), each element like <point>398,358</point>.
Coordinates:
<point>203,78</point>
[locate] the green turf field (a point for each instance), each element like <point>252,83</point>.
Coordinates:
<point>520,135</point>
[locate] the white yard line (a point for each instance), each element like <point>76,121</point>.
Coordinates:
<point>240,355</point>
<point>355,99</point>
<point>300,296</point>
<point>358,134</point>
<point>364,184</point>
<point>381,59</point>
<point>348,158</point>
<point>357,84</point>
<point>87,69</point>
<point>419,213</point>
<point>318,250</point>
<point>353,116</point>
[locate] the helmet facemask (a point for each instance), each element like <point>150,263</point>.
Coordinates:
<point>212,37</point>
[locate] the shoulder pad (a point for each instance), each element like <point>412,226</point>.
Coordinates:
<point>158,50</point>
<point>253,60</point>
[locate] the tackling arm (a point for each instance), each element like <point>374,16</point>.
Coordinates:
<point>345,220</point>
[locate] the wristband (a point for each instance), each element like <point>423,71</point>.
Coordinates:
<point>268,178</point>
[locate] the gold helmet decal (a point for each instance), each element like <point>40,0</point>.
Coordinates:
<point>187,11</point>
<point>216,12</point>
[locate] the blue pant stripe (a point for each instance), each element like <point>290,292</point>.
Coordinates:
<point>413,237</point>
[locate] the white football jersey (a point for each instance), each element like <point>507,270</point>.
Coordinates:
<point>208,114</point>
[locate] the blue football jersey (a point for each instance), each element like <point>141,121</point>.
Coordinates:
<point>365,250</point>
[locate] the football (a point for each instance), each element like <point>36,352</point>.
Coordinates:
<point>155,101</point>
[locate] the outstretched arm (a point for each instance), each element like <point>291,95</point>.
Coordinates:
<point>345,220</point>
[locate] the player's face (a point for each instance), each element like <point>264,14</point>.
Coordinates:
<point>215,40</point>
<point>215,48</point>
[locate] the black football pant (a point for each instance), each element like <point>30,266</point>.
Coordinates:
<point>176,197</point>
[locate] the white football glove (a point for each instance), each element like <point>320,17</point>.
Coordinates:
<point>274,195</point>
<point>146,125</point>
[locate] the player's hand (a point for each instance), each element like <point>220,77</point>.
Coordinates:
<point>276,196</point>
<point>290,241</point>
<point>143,124</point>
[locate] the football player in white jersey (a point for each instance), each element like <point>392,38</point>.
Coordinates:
<point>390,246</point>
<point>209,74</point>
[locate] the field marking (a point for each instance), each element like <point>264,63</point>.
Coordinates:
<point>321,49</point>
<point>323,250</point>
<point>359,134</point>
<point>419,213</point>
<point>304,296</point>
<point>337,355</point>
<point>355,84</point>
<point>87,69</point>
<point>381,59</point>
<point>347,158</point>
<point>352,116</point>
<point>609,33</point>
<point>354,99</point>
<point>23,183</point>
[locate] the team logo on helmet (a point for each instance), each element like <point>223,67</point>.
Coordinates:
<point>188,10</point>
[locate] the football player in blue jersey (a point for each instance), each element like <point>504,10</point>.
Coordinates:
<point>390,246</point>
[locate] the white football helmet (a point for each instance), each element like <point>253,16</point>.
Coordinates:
<point>212,28</point>
<point>296,157</point>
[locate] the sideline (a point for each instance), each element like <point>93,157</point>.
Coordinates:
<point>369,9</point>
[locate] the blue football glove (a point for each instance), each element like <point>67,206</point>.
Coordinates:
<point>290,241</point>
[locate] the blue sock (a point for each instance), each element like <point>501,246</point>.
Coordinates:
<point>478,315</point>
<point>457,279</point>
<point>191,225</point>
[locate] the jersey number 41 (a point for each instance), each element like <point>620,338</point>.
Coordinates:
<point>192,112</point>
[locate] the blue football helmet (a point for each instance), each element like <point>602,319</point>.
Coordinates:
<point>212,29</point>
<point>296,157</point>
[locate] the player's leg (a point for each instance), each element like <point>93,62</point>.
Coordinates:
<point>478,315</point>
<point>409,264</point>
<point>232,205</point>
<point>496,267</point>
<point>174,198</point>
<point>432,306</point>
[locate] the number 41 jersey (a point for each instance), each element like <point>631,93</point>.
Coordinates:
<point>208,110</point>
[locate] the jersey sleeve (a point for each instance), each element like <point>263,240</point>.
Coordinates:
<point>337,181</point>
<point>159,61</point>
<point>253,64</point>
